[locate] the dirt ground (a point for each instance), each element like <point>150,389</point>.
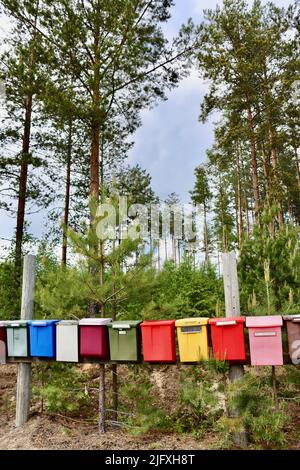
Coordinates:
<point>44,431</point>
<point>58,432</point>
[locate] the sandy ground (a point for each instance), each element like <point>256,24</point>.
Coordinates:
<point>58,432</point>
<point>44,431</point>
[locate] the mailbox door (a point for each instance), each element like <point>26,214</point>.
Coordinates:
<point>228,341</point>
<point>193,343</point>
<point>17,342</point>
<point>159,343</point>
<point>67,343</point>
<point>42,340</point>
<point>94,341</point>
<point>266,346</point>
<point>124,344</point>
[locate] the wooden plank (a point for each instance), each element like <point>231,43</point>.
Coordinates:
<point>231,286</point>
<point>24,369</point>
<point>40,360</point>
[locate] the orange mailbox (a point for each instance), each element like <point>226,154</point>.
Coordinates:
<point>158,339</point>
<point>265,340</point>
<point>228,339</point>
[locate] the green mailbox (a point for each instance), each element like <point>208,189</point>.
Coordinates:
<point>125,340</point>
<point>17,338</point>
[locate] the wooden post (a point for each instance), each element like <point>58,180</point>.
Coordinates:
<point>232,307</point>
<point>24,370</point>
<point>101,420</point>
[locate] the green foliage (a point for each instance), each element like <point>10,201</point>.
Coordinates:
<point>280,254</point>
<point>60,292</point>
<point>9,302</point>
<point>265,422</point>
<point>198,405</point>
<point>145,415</point>
<point>184,291</point>
<point>61,387</point>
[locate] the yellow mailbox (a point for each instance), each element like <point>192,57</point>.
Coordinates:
<point>192,339</point>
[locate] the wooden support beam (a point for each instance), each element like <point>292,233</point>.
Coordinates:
<point>89,360</point>
<point>232,307</point>
<point>24,369</point>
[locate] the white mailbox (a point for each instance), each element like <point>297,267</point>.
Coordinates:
<point>67,341</point>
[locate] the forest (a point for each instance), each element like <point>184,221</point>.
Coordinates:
<point>75,79</point>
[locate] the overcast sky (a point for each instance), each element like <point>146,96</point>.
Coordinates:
<point>171,142</point>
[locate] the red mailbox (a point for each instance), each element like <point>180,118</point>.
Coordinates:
<point>158,339</point>
<point>265,340</point>
<point>228,339</point>
<point>94,337</point>
<point>3,348</point>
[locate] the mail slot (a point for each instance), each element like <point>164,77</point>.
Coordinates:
<point>192,339</point>
<point>3,342</point>
<point>42,338</point>
<point>94,337</point>
<point>158,338</point>
<point>17,338</point>
<point>228,339</point>
<point>265,340</point>
<point>292,323</point>
<point>67,344</point>
<point>125,340</point>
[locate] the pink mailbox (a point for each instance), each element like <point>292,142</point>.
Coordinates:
<point>265,340</point>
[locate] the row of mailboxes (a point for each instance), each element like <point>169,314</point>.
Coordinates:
<point>122,340</point>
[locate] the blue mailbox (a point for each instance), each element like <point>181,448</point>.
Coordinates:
<point>42,335</point>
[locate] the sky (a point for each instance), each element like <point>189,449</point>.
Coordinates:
<point>171,141</point>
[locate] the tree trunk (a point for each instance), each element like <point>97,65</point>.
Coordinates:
<point>206,248</point>
<point>22,193</point>
<point>291,212</point>
<point>67,196</point>
<point>114,371</point>
<point>166,249</point>
<point>246,214</point>
<point>255,180</point>
<point>297,166</point>
<point>239,195</point>
<point>174,251</point>
<point>266,173</point>
<point>101,421</point>
<point>158,255</point>
<point>275,173</point>
<point>274,386</point>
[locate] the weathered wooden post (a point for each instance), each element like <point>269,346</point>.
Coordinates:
<point>232,308</point>
<point>24,370</point>
<point>101,419</point>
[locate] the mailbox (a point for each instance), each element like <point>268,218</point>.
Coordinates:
<point>192,339</point>
<point>125,340</point>
<point>293,333</point>
<point>3,341</point>
<point>17,338</point>
<point>228,338</point>
<point>94,337</point>
<point>67,345</point>
<point>42,338</point>
<point>158,339</point>
<point>265,340</point>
